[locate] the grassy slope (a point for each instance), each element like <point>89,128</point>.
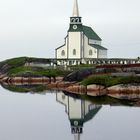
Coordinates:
<point>16,66</point>
<point>37,71</point>
<point>108,81</point>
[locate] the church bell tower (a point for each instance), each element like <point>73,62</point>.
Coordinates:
<point>75,20</point>
<point>75,34</point>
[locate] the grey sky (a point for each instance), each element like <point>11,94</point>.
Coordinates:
<point>37,27</point>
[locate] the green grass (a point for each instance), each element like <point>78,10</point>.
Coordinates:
<point>108,81</point>
<point>37,71</point>
<point>10,64</point>
<point>16,61</point>
<point>16,66</point>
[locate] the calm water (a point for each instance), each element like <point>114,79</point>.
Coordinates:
<point>56,116</point>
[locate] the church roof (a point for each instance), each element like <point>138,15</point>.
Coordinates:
<point>60,47</point>
<point>87,117</point>
<point>88,31</point>
<point>92,114</point>
<point>98,47</point>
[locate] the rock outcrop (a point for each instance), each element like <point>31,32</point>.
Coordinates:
<point>79,75</point>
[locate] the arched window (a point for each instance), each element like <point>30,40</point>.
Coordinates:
<point>77,20</point>
<point>63,97</point>
<point>90,52</point>
<point>74,52</point>
<point>73,20</point>
<point>63,53</point>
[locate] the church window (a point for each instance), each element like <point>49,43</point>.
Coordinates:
<point>63,53</point>
<point>74,52</point>
<point>73,20</point>
<point>90,52</point>
<point>77,20</point>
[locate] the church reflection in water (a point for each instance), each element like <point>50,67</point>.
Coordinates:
<point>79,111</point>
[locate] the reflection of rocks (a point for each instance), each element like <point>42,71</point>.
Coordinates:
<point>61,85</point>
<point>126,91</point>
<point>76,88</point>
<point>30,79</point>
<point>130,88</point>
<point>96,90</point>
<point>124,95</point>
<point>93,90</point>
<point>3,79</point>
<point>122,91</point>
<point>2,76</point>
<point>125,88</point>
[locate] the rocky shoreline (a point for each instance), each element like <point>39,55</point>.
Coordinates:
<point>119,81</point>
<point>122,91</point>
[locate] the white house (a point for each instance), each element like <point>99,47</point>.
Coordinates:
<point>81,43</point>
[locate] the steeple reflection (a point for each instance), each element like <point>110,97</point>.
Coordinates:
<point>79,111</point>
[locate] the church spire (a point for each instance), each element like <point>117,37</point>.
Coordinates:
<point>75,9</point>
<point>77,136</point>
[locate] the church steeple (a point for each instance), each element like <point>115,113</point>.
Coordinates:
<point>77,136</point>
<point>75,9</point>
<point>75,20</point>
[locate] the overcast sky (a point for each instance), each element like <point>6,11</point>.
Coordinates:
<point>37,27</point>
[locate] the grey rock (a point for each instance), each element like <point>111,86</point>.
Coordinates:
<point>79,75</point>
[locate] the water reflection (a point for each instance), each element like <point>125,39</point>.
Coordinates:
<point>36,88</point>
<point>24,88</point>
<point>79,111</point>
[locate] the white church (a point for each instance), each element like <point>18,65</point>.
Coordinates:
<point>82,44</point>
